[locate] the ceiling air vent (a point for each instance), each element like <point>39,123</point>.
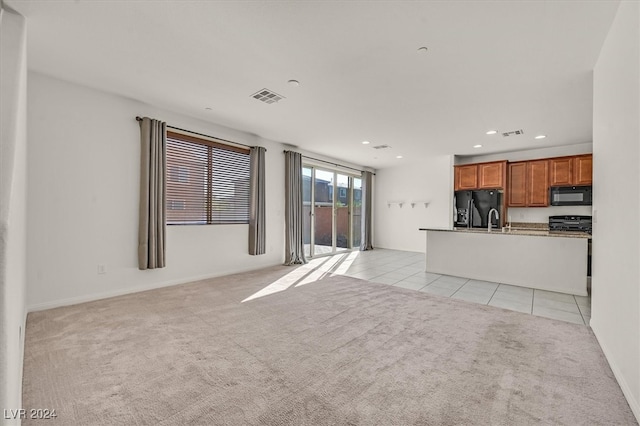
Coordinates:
<point>513,133</point>
<point>381,147</point>
<point>267,96</point>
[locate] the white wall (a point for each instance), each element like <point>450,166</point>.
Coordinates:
<point>13,207</point>
<point>541,214</point>
<point>430,180</point>
<point>83,158</point>
<point>615,303</point>
<point>536,214</point>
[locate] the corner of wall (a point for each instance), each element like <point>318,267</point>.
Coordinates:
<point>615,298</point>
<point>634,404</point>
<point>13,203</point>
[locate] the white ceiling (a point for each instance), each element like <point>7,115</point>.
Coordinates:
<point>501,65</point>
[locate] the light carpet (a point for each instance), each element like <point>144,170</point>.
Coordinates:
<point>334,351</point>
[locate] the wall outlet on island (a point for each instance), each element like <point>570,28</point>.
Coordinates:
<point>102,269</point>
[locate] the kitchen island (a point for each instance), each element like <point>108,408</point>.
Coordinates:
<point>536,259</point>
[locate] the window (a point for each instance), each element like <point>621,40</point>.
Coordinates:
<point>207,182</point>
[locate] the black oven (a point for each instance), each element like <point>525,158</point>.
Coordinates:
<point>570,196</point>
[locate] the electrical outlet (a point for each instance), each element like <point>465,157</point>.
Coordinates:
<point>102,269</point>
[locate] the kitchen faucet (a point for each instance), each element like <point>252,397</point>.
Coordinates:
<point>489,218</point>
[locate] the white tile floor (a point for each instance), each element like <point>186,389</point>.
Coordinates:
<point>406,269</point>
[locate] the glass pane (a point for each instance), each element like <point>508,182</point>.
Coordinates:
<point>342,212</point>
<point>356,212</point>
<point>306,210</point>
<point>187,183</point>
<point>323,216</point>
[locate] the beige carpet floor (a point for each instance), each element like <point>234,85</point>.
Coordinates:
<point>335,351</point>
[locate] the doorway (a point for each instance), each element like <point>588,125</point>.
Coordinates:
<point>332,211</point>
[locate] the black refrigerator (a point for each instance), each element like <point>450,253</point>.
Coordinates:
<point>471,208</point>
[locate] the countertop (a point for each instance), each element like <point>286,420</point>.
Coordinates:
<point>528,232</point>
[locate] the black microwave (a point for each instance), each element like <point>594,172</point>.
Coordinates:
<point>570,196</point>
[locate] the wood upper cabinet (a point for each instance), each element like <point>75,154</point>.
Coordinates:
<point>492,175</point>
<point>517,190</point>
<point>466,177</point>
<point>561,171</point>
<point>576,170</point>
<point>583,170</point>
<point>538,183</point>
<point>528,184</point>
<point>481,176</point>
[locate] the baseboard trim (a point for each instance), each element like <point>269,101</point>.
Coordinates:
<point>626,390</point>
<point>121,292</point>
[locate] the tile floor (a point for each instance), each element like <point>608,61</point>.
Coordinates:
<point>406,269</point>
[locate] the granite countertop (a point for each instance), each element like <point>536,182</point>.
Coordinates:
<point>529,231</point>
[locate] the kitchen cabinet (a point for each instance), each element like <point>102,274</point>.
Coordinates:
<point>491,175</point>
<point>517,189</point>
<point>583,170</point>
<point>574,170</point>
<point>538,183</point>
<point>561,171</point>
<point>528,184</point>
<point>466,177</point>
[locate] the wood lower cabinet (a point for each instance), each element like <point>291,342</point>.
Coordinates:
<point>517,189</point>
<point>583,170</point>
<point>538,183</point>
<point>466,177</point>
<point>575,170</point>
<point>492,175</point>
<point>528,184</point>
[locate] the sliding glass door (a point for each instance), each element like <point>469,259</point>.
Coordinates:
<point>332,211</point>
<point>307,211</point>
<point>323,223</point>
<point>342,212</point>
<point>356,213</point>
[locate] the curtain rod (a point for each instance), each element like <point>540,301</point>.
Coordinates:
<point>138,118</point>
<point>333,164</point>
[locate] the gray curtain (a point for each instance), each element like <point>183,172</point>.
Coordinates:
<point>152,224</point>
<point>294,244</point>
<point>257,202</point>
<point>367,198</point>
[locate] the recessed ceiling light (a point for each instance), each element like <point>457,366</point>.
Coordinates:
<point>208,109</point>
<point>422,49</point>
<point>295,83</point>
<point>477,146</point>
<point>365,142</point>
<point>492,132</point>
<point>398,156</point>
<point>540,137</point>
